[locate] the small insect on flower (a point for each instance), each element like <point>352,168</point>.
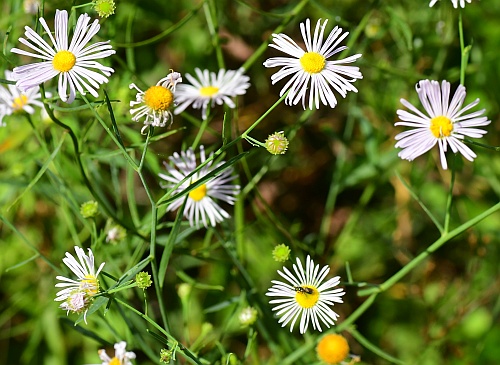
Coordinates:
<point>305,295</point>
<point>304,290</point>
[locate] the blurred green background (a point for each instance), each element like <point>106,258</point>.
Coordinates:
<point>445,312</point>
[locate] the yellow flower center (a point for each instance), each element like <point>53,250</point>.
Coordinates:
<point>306,296</point>
<point>64,61</point>
<point>209,91</point>
<point>90,285</point>
<point>115,361</point>
<point>19,103</point>
<point>199,193</point>
<point>441,126</point>
<point>158,98</point>
<point>312,62</point>
<point>332,349</point>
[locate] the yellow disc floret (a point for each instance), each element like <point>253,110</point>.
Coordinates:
<point>90,285</point>
<point>199,193</point>
<point>332,349</point>
<point>312,62</point>
<point>441,126</point>
<point>64,61</point>
<point>19,102</point>
<point>158,98</point>
<point>209,91</point>
<point>115,361</point>
<point>306,296</point>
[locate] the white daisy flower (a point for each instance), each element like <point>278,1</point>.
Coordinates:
<point>156,102</point>
<point>14,100</point>
<point>455,3</point>
<point>443,124</point>
<point>211,87</point>
<point>74,64</point>
<point>311,68</point>
<point>122,357</point>
<point>200,205</point>
<point>305,296</point>
<point>78,293</point>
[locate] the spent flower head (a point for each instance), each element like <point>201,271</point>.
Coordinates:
<point>211,88</point>
<point>74,64</point>
<point>277,143</point>
<point>104,8</point>
<point>122,357</point>
<point>281,253</point>
<point>89,209</point>
<point>201,206</point>
<point>77,294</point>
<point>143,280</point>
<point>305,295</point>
<point>445,123</point>
<point>13,100</point>
<point>311,69</point>
<point>156,103</point>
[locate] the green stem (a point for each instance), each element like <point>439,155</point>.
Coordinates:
<point>464,50</point>
<point>450,198</point>
<point>377,351</point>
<point>437,244</point>
<point>188,354</point>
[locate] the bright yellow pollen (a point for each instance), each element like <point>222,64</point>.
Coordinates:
<point>209,90</point>
<point>90,285</point>
<point>64,61</point>
<point>306,300</point>
<point>312,62</point>
<point>441,126</point>
<point>115,361</point>
<point>199,193</point>
<point>19,103</point>
<point>158,98</point>
<point>332,349</point>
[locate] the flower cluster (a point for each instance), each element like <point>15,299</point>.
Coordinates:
<point>78,294</point>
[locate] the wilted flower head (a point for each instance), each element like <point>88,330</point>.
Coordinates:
<point>156,103</point>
